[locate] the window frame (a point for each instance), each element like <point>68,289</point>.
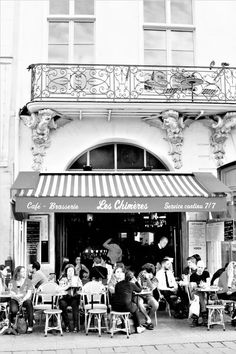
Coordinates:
<point>71,19</point>
<point>168,27</point>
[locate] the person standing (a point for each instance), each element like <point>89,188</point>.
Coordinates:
<point>114,251</point>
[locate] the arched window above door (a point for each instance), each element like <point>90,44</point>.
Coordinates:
<point>118,156</point>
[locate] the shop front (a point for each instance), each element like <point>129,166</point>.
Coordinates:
<point>84,209</point>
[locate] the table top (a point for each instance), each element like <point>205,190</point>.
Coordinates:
<point>143,292</point>
<point>209,289</point>
<point>11,294</point>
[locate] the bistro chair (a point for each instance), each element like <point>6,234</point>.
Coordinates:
<point>91,301</point>
<point>124,317</point>
<point>42,302</point>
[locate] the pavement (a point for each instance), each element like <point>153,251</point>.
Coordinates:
<point>170,336</point>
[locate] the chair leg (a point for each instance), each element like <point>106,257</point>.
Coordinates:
<point>113,325</point>
<point>88,324</point>
<point>46,326</point>
<point>99,324</point>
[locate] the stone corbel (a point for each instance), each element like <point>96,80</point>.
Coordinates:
<point>174,126</point>
<point>220,132</point>
<point>41,123</point>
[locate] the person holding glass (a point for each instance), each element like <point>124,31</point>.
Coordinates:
<point>21,289</point>
<point>71,283</point>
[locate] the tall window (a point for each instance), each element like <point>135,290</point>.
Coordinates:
<point>71,31</point>
<point>168,32</point>
<point>118,157</point>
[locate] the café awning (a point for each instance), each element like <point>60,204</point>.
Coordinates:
<point>119,192</point>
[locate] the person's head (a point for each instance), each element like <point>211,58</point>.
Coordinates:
<point>197,257</point>
<point>129,275</point>
<point>35,266</point>
<point>163,242</point>
<point>166,264</point>
<point>200,267</point>
<point>77,260</point>
<point>191,262</point>
<point>83,274</point>
<point>69,270</point>
<point>3,270</point>
<point>97,260</point>
<point>150,269</point>
<point>19,273</point>
<point>119,273</point>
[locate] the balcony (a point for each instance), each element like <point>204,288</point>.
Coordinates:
<point>73,88</point>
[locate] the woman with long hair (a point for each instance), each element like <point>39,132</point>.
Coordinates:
<point>22,289</point>
<point>71,283</point>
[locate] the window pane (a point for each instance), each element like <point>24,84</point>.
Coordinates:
<point>83,54</point>
<point>58,53</point>
<point>84,7</point>
<point>181,40</point>
<point>58,32</point>
<point>181,11</point>
<point>155,39</point>
<point>84,33</point>
<point>154,11</point>
<point>182,58</point>
<point>59,7</point>
<point>155,57</point>
<point>79,163</point>
<point>102,157</point>
<point>129,157</point>
<point>154,162</point>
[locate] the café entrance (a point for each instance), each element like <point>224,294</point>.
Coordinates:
<point>83,234</point>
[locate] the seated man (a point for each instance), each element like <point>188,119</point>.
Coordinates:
<point>38,277</point>
<point>148,281</point>
<point>191,266</point>
<point>200,279</point>
<point>167,284</point>
<point>101,270</point>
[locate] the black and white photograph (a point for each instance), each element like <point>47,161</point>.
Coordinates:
<point>117,176</point>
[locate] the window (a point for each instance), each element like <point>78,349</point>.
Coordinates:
<point>168,32</point>
<point>118,157</point>
<point>71,31</point>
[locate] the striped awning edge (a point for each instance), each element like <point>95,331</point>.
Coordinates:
<point>116,185</point>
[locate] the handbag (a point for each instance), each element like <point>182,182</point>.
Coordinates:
<point>194,308</point>
<point>21,324</point>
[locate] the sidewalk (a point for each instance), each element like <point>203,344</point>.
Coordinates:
<point>170,336</point>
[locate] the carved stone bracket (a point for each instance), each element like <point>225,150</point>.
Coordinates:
<point>173,124</point>
<point>220,132</point>
<point>41,123</point>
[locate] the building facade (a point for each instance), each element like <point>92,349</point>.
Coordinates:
<point>116,92</point>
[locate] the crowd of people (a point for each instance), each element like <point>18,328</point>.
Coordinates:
<point>140,293</point>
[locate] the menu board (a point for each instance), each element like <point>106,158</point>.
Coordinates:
<point>197,238</point>
<point>215,231</point>
<point>228,230</point>
<point>32,237</point>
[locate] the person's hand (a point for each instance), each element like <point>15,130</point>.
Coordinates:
<point>229,292</point>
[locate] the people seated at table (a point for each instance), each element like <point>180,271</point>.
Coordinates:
<point>123,299</point>
<point>71,283</point>
<point>200,280</point>
<point>100,269</point>
<point>167,284</point>
<point>147,280</point>
<point>80,267</point>
<point>218,273</point>
<point>191,266</point>
<point>37,276</point>
<point>21,288</point>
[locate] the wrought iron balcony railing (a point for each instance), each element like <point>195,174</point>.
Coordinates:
<point>131,83</point>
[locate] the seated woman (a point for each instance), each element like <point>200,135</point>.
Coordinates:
<point>79,267</point>
<point>71,283</point>
<point>22,289</point>
<point>122,300</point>
<point>117,275</point>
